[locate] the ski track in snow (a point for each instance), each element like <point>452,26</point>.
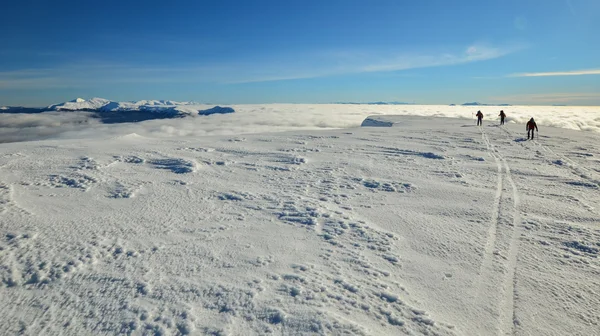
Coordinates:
<point>508,317</point>
<point>493,227</point>
<point>487,274</point>
<point>510,322</point>
<point>368,231</point>
<point>507,312</point>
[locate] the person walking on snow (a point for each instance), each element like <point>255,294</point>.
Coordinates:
<point>531,125</point>
<point>502,116</point>
<point>479,118</point>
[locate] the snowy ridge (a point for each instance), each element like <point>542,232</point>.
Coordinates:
<point>80,104</point>
<point>430,227</point>
<point>377,121</point>
<point>105,105</point>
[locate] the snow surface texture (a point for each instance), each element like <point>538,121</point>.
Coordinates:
<point>249,119</point>
<point>430,227</point>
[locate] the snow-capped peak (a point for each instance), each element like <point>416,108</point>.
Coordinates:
<point>81,104</point>
<point>159,106</point>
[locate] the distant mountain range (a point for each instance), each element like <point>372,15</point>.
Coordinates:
<point>481,104</point>
<point>376,103</point>
<point>101,105</point>
<point>160,106</point>
<point>402,103</point>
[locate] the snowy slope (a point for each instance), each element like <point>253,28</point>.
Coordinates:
<point>430,227</point>
<point>80,104</point>
<point>105,105</point>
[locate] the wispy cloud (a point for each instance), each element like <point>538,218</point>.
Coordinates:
<point>276,68</point>
<point>404,62</point>
<point>344,63</point>
<point>99,74</point>
<point>558,73</point>
<point>549,98</point>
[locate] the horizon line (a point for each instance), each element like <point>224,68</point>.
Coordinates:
<point>468,104</point>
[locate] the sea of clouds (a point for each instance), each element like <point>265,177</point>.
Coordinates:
<point>277,118</point>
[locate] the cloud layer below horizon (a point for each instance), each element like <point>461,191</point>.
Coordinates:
<point>274,118</point>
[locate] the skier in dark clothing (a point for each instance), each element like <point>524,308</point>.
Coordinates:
<point>531,126</point>
<point>479,118</point>
<point>502,116</point>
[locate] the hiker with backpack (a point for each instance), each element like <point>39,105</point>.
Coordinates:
<point>531,126</point>
<point>502,116</point>
<point>479,118</point>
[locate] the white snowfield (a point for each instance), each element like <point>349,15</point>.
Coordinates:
<point>430,227</point>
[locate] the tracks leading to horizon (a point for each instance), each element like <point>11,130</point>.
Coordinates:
<point>503,234</point>
<point>490,242</point>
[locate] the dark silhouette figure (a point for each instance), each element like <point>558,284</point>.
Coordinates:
<point>531,126</point>
<point>479,118</point>
<point>502,116</point>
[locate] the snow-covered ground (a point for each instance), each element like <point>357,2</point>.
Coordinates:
<point>430,227</point>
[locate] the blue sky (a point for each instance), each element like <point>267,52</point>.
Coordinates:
<point>310,51</point>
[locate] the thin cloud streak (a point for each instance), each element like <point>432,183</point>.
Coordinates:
<point>549,98</point>
<point>100,74</point>
<point>93,74</point>
<point>391,63</point>
<point>558,73</point>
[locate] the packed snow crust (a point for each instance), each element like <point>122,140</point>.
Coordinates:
<point>430,227</point>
